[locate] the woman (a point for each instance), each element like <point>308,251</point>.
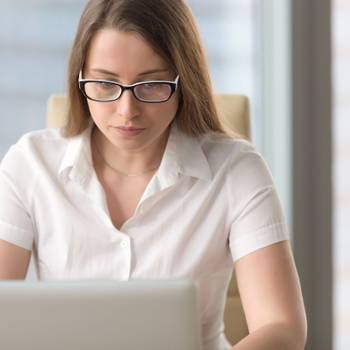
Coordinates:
<point>143,182</point>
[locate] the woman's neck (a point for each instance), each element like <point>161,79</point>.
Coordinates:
<point>127,161</point>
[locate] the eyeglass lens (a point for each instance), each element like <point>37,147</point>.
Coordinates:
<point>105,91</point>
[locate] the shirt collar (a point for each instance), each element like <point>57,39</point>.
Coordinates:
<point>77,161</point>
<point>183,155</point>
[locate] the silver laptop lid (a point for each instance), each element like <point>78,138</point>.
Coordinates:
<point>90,315</point>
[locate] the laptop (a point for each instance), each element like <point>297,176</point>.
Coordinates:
<point>104,315</point>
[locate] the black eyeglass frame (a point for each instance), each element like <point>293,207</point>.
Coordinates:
<point>173,85</point>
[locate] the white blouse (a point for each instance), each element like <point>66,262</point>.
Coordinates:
<point>211,202</point>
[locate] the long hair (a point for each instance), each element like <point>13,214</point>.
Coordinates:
<point>169,27</point>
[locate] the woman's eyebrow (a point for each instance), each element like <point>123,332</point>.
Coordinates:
<point>151,71</point>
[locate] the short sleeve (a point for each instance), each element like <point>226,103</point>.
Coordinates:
<point>258,219</point>
<point>16,185</point>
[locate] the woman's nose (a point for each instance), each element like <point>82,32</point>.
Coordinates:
<point>127,105</point>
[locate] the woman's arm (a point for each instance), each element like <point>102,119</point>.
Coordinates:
<point>14,261</point>
<point>271,296</point>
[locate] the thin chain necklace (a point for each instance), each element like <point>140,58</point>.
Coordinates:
<point>121,172</point>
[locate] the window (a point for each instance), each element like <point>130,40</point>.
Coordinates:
<point>228,30</point>
<point>35,38</point>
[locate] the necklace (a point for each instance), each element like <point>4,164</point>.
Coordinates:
<point>119,171</point>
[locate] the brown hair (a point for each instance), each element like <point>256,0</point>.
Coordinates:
<point>169,27</point>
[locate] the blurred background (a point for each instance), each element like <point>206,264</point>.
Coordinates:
<point>291,59</point>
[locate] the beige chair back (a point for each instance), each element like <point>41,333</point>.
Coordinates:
<point>234,113</point>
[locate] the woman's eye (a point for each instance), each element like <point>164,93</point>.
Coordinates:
<point>106,86</point>
<point>150,86</point>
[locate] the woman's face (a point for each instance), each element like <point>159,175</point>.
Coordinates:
<point>127,58</point>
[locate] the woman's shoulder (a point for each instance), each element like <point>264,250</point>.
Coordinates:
<point>34,149</point>
<point>221,146</point>
<point>235,158</point>
<point>41,139</point>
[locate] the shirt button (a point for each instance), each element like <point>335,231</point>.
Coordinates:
<point>123,244</point>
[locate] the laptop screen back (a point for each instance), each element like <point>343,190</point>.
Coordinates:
<point>90,315</point>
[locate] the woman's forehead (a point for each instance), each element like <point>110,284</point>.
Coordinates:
<point>122,52</point>
<point>97,70</point>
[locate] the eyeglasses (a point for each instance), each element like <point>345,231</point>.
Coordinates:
<point>153,91</point>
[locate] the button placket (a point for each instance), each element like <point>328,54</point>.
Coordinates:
<point>124,243</point>
<point>123,256</point>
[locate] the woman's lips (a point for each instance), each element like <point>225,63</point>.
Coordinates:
<point>128,128</point>
<point>128,132</point>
